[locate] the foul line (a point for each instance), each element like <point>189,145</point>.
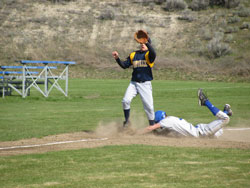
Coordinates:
<point>239,129</point>
<point>53,143</point>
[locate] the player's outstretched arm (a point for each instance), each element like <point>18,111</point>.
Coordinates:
<point>121,63</point>
<point>151,128</point>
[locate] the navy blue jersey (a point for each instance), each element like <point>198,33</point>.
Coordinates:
<point>142,62</point>
<point>141,66</point>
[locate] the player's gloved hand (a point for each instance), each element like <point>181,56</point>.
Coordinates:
<point>141,36</point>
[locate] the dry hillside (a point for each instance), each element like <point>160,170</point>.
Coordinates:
<point>210,44</point>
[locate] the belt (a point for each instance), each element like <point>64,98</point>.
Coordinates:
<point>139,81</point>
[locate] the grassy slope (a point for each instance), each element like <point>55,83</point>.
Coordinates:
<point>93,101</point>
<point>73,31</point>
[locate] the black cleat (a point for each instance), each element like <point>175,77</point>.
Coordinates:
<point>126,124</point>
<point>228,110</point>
<point>201,97</point>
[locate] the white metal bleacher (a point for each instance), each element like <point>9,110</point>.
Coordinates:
<point>29,79</point>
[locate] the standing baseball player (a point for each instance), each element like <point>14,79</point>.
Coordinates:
<point>180,127</point>
<point>142,62</point>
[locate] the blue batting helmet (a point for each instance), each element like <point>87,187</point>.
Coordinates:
<point>159,115</point>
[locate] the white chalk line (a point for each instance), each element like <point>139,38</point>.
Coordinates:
<point>238,129</point>
<point>53,143</point>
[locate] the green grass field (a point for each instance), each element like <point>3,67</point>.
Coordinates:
<point>93,101</point>
<point>129,166</point>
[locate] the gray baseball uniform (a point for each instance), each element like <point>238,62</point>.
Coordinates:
<point>181,127</point>
<point>145,91</point>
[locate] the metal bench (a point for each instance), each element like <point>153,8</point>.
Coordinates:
<point>14,80</point>
<point>9,82</point>
<point>51,80</point>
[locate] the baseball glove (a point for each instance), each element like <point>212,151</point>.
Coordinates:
<point>141,36</point>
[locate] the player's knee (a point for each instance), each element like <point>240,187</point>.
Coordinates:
<point>226,119</point>
<point>126,103</point>
<point>151,108</point>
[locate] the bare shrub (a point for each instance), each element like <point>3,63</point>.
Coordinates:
<point>232,3</point>
<point>221,22</point>
<point>225,3</point>
<point>9,2</point>
<point>229,38</point>
<point>172,5</point>
<point>242,69</point>
<point>58,1</point>
<point>107,14</point>
<point>219,35</point>
<point>243,11</point>
<point>217,2</point>
<point>143,2</point>
<point>234,19</point>
<point>199,5</point>
<point>205,34</point>
<point>140,20</point>
<point>216,48</point>
<point>197,47</point>
<point>245,25</point>
<point>187,16</point>
<point>159,2</point>
<point>151,6</point>
<point>231,29</point>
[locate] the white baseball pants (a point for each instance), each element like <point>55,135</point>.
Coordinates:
<point>215,127</point>
<point>145,91</point>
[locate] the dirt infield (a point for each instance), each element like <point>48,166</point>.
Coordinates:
<point>111,135</point>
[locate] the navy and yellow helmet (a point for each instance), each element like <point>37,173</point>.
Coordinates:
<point>159,115</point>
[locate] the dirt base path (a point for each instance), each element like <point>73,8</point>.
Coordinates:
<point>232,138</point>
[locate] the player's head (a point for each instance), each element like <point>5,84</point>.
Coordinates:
<point>159,115</point>
<point>143,47</point>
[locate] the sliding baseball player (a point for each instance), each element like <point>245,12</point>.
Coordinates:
<point>180,127</point>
